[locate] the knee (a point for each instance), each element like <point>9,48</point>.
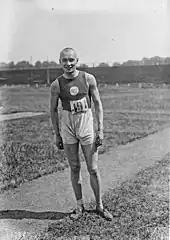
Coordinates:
<point>92,170</point>
<point>75,172</point>
<point>75,168</point>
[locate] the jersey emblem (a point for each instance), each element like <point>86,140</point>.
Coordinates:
<point>74,90</point>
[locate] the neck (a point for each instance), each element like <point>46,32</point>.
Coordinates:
<point>71,75</point>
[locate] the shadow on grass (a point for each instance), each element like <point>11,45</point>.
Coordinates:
<point>21,214</point>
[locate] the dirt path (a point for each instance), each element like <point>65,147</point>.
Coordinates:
<point>11,116</point>
<point>32,205</point>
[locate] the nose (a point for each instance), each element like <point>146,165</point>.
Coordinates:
<point>68,62</point>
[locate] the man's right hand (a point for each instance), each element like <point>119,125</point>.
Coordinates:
<point>59,142</point>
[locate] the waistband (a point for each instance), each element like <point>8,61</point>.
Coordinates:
<point>69,110</point>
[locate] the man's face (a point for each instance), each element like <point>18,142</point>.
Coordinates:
<point>68,61</point>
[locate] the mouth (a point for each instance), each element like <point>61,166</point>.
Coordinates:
<point>69,68</point>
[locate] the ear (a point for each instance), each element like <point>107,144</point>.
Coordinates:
<point>59,61</point>
<point>77,60</point>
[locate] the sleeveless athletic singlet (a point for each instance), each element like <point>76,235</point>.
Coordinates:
<point>74,93</point>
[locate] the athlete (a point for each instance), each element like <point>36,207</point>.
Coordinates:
<point>76,89</point>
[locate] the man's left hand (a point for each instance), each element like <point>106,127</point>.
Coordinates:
<point>99,138</point>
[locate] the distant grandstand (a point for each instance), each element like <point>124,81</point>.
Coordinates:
<point>116,74</point>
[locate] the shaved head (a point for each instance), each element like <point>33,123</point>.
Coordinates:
<point>68,50</point>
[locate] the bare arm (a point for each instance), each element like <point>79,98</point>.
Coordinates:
<point>54,98</point>
<point>96,100</point>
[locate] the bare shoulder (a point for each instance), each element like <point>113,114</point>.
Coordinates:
<point>55,88</point>
<point>91,80</point>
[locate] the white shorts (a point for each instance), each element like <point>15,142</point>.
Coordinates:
<point>77,127</point>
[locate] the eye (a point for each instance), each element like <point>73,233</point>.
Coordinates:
<point>71,59</point>
<point>64,60</point>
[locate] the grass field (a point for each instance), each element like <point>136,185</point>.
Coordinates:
<point>27,146</point>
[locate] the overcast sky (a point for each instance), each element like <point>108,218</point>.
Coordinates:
<point>100,30</point>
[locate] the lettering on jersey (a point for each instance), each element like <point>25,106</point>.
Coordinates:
<point>79,105</point>
<point>74,90</point>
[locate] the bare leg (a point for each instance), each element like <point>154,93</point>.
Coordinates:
<point>91,157</point>
<point>72,153</point>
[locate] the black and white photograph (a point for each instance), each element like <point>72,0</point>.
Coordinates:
<point>84,119</point>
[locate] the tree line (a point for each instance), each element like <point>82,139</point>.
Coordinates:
<point>52,64</point>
